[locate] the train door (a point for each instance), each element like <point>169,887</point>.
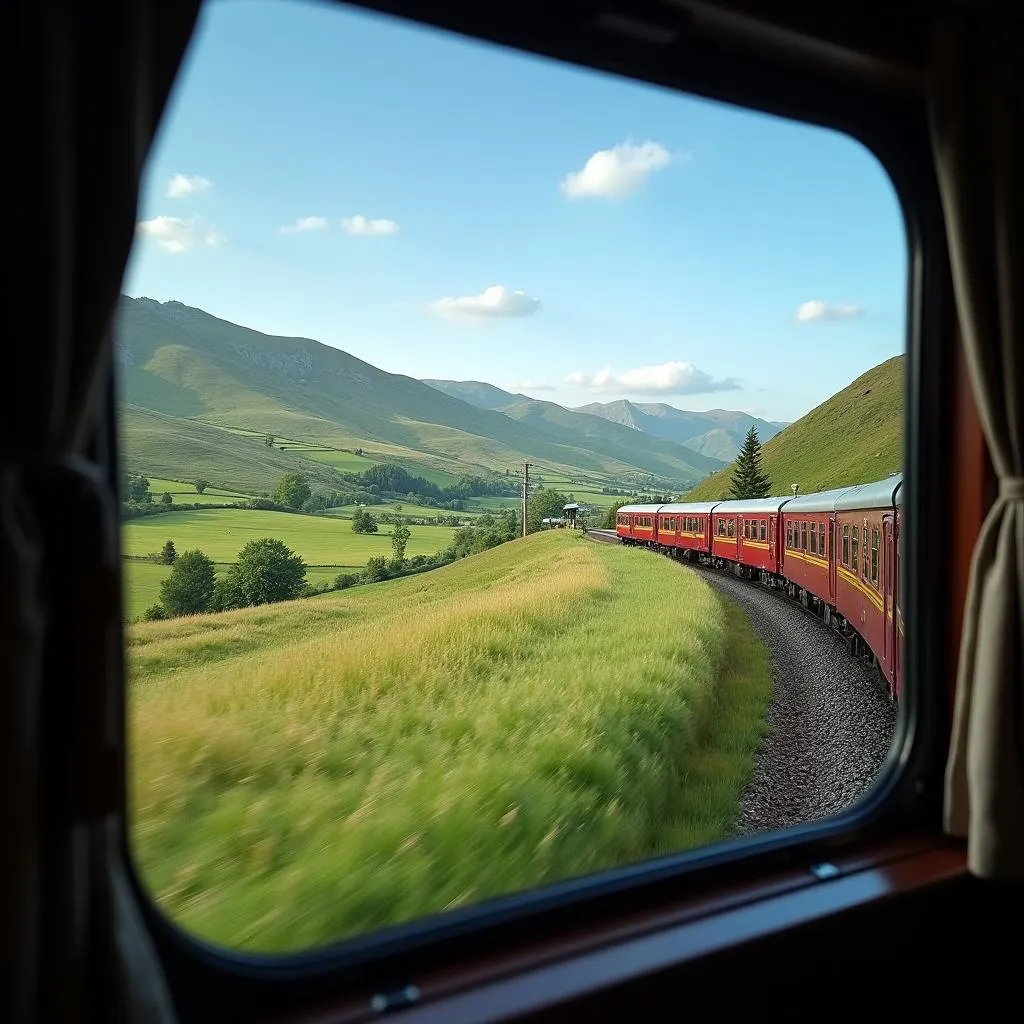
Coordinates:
<point>772,522</point>
<point>889,623</point>
<point>832,560</point>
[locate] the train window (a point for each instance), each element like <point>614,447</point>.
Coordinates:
<point>874,558</point>
<point>846,544</point>
<point>855,550</point>
<point>865,569</point>
<point>293,530</point>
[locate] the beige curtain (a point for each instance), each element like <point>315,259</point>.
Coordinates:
<point>977,127</point>
<point>92,79</point>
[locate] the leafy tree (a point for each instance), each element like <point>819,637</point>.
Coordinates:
<point>363,522</point>
<point>189,588</point>
<point>269,440</point>
<point>167,554</point>
<point>609,516</point>
<point>267,570</point>
<point>136,488</point>
<point>543,504</point>
<point>154,613</point>
<point>399,538</point>
<point>748,480</point>
<point>376,570</point>
<point>226,595</point>
<point>292,490</point>
<point>345,580</point>
<point>167,498</point>
<point>201,485</point>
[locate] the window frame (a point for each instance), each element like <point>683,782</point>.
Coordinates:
<point>846,544</point>
<point>896,131</point>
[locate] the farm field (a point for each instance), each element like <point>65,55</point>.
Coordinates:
<point>186,492</point>
<point>320,540</point>
<point>316,769</point>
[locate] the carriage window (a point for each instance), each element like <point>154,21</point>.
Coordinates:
<point>764,529</point>
<point>846,544</point>
<point>855,549</point>
<point>814,538</point>
<point>822,549</point>
<point>874,558</point>
<point>789,535</point>
<point>731,526</point>
<point>803,535</point>
<point>865,566</point>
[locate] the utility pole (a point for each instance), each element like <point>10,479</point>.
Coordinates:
<point>526,492</point>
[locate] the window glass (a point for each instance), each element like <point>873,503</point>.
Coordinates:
<point>874,558</point>
<point>855,562</point>
<point>814,538</point>
<point>822,546</point>
<point>865,570</point>
<point>383,279</point>
<point>846,544</point>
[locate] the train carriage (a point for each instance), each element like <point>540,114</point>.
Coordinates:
<point>746,533</point>
<point>638,524</point>
<point>808,543</point>
<point>867,568</point>
<point>691,524</point>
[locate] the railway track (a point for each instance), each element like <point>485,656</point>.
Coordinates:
<point>831,724</point>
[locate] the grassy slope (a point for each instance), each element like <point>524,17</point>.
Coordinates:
<point>855,437</point>
<point>318,769</point>
<point>320,540</point>
<point>187,364</point>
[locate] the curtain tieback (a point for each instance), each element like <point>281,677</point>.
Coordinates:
<point>1011,488</point>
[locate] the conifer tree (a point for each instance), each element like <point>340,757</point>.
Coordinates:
<point>747,479</point>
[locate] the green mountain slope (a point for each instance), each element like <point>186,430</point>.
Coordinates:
<point>717,433</point>
<point>854,437</point>
<point>476,392</point>
<point>185,363</point>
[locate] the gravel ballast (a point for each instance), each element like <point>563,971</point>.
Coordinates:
<point>831,722</point>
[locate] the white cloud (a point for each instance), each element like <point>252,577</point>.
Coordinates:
<point>359,225</point>
<point>181,185</point>
<point>496,301</point>
<point>815,309</point>
<point>617,171</point>
<point>177,235</point>
<point>305,224</point>
<point>671,378</point>
<point>527,385</point>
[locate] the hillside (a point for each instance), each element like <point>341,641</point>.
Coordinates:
<point>717,433</point>
<point>186,364</point>
<point>476,392</point>
<point>854,437</point>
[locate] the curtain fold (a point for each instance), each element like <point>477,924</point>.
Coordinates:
<point>93,78</point>
<point>976,115</point>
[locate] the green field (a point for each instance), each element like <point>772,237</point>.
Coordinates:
<point>186,492</point>
<point>320,768</point>
<point>320,540</point>
<point>855,437</point>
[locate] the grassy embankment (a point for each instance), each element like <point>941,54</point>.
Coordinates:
<point>317,769</point>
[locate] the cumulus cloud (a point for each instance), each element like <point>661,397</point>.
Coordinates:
<point>815,309</point>
<point>360,225</point>
<point>494,302</point>
<point>181,185</point>
<point>177,235</point>
<point>305,224</point>
<point>617,171</point>
<point>671,378</point>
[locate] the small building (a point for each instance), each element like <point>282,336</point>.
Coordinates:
<point>570,512</point>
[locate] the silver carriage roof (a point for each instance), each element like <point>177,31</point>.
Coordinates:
<point>816,501</point>
<point>754,506</point>
<point>880,494</point>
<point>689,508</point>
<point>647,510</point>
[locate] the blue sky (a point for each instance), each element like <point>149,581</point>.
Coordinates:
<point>473,213</point>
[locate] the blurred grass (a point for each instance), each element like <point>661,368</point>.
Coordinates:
<point>309,771</point>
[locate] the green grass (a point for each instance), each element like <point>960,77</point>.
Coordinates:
<point>318,769</point>
<point>186,492</point>
<point>321,540</point>
<point>854,438</point>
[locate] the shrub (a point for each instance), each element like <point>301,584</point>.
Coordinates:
<point>168,555</point>
<point>345,580</point>
<point>189,588</point>
<point>154,613</point>
<point>267,570</point>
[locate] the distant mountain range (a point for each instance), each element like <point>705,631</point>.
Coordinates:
<point>717,434</point>
<point>199,373</point>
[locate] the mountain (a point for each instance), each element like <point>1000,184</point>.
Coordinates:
<point>853,438</point>
<point>483,396</point>
<point>718,433</point>
<point>191,366</point>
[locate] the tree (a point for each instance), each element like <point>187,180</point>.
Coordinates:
<point>201,485</point>
<point>376,570</point>
<point>136,488</point>
<point>189,588</point>
<point>167,498</point>
<point>167,554</point>
<point>363,522</point>
<point>226,595</point>
<point>611,514</point>
<point>543,504</point>
<point>154,613</point>
<point>292,490</point>
<point>269,440</point>
<point>748,481</point>
<point>399,538</point>
<point>267,570</point>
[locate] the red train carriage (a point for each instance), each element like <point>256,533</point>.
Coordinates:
<point>637,524</point>
<point>808,542</point>
<point>746,533</point>
<point>867,569</point>
<point>690,526</point>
